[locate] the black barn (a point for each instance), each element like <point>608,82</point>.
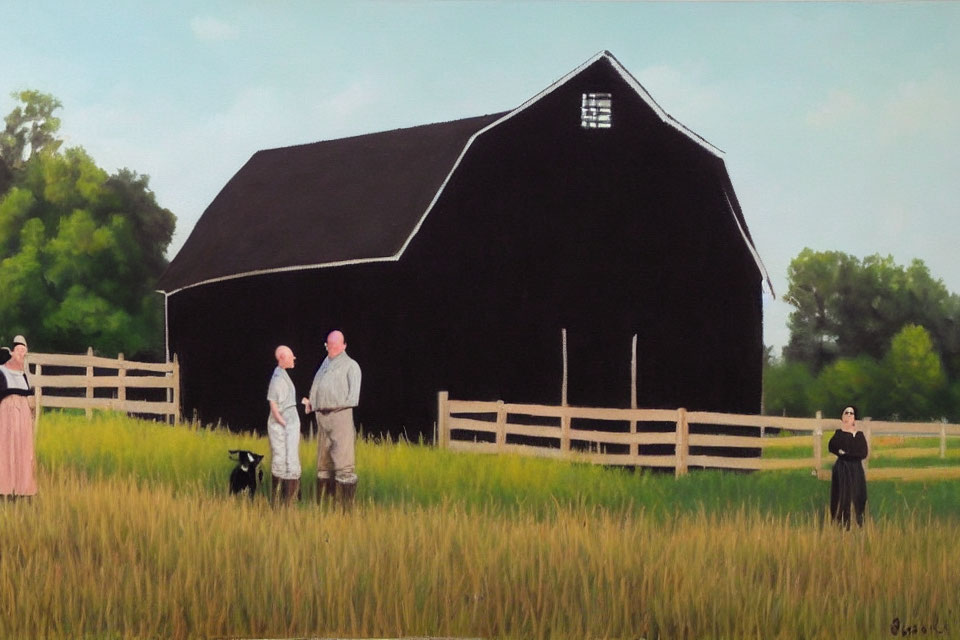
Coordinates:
<point>453,254</point>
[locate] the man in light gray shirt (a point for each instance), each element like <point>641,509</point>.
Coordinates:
<point>333,395</point>
<point>283,429</point>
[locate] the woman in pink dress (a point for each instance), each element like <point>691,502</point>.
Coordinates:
<point>17,460</point>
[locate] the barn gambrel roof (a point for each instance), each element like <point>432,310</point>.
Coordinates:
<point>352,200</point>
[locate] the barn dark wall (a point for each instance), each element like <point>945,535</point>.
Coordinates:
<point>544,226</point>
<point>621,232</point>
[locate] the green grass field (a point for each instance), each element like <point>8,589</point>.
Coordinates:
<point>134,535</point>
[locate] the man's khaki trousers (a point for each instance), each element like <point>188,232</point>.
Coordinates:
<point>335,450</point>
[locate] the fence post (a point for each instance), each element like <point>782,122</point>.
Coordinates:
<point>443,435</point>
<point>564,430</point>
<point>634,447</point>
<point>563,381</point>
<point>818,445</point>
<point>683,442</point>
<point>943,441</point>
<point>564,415</point>
<point>38,401</point>
<point>88,411</point>
<point>121,386</point>
<point>175,390</point>
<point>501,426</point>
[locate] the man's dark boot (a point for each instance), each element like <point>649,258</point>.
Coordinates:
<point>291,490</point>
<point>326,489</point>
<point>345,495</point>
<point>276,489</point>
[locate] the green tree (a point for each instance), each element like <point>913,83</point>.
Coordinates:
<point>30,125</point>
<point>914,379</point>
<point>845,307</point>
<point>872,332</point>
<point>849,381</point>
<point>817,283</point>
<point>952,402</point>
<point>786,388</point>
<point>80,251</point>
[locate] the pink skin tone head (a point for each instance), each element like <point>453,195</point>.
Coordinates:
<point>848,419</point>
<point>335,344</point>
<point>17,355</point>
<point>285,357</point>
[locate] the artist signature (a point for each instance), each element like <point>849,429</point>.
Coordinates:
<point>898,628</point>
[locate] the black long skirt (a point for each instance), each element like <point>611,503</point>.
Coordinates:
<point>848,487</point>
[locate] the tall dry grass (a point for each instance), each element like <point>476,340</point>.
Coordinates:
<point>133,536</point>
<point>108,557</point>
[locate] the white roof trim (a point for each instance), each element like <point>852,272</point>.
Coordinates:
<point>753,250</point>
<point>299,267</point>
<point>166,325</point>
<point>629,79</point>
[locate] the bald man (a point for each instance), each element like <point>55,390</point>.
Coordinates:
<point>283,429</point>
<point>333,395</point>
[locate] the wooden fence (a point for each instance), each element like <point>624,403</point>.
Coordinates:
<point>503,420</point>
<point>93,372</point>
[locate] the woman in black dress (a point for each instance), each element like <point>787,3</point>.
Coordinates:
<point>849,485</point>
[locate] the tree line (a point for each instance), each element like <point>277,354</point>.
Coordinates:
<point>80,248</point>
<point>883,336</point>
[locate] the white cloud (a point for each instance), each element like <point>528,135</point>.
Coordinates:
<point>351,110</point>
<point>346,103</point>
<point>923,106</point>
<point>837,109</point>
<point>265,116</point>
<point>212,29</point>
<point>927,105</point>
<point>252,111</point>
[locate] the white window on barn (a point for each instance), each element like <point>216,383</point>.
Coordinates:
<point>596,111</point>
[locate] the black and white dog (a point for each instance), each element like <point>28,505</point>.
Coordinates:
<point>245,476</point>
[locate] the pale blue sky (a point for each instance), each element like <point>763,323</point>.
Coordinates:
<point>839,120</point>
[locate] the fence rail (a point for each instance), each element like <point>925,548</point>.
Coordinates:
<point>470,418</point>
<point>146,375</point>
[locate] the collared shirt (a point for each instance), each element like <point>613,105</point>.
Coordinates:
<point>281,390</point>
<point>337,383</point>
